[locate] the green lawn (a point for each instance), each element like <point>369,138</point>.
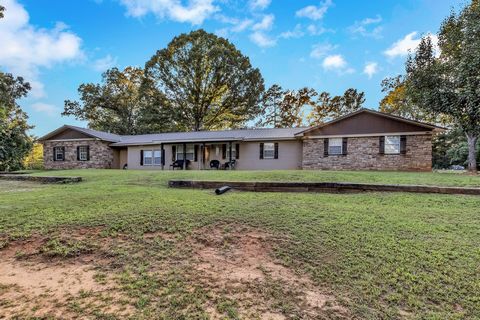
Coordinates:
<point>381,255</point>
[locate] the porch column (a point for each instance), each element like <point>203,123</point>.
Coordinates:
<point>162,154</point>
<point>204,154</point>
<point>184,156</point>
<point>230,155</point>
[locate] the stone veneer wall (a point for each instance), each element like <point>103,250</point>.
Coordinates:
<point>101,155</point>
<point>363,155</point>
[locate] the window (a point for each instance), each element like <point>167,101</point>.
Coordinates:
<point>83,153</point>
<point>190,152</point>
<point>335,146</point>
<point>59,153</point>
<point>157,157</point>
<point>147,157</point>
<point>152,157</point>
<point>268,150</point>
<point>392,144</point>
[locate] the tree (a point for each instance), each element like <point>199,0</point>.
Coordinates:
<point>448,84</point>
<point>208,82</point>
<point>271,104</point>
<point>397,102</point>
<point>34,159</point>
<point>327,108</point>
<point>15,143</point>
<point>2,9</point>
<point>120,104</point>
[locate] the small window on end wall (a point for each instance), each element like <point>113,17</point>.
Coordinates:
<point>335,146</point>
<point>392,144</point>
<point>59,154</point>
<point>83,153</point>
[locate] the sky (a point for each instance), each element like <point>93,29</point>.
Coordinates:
<point>329,45</point>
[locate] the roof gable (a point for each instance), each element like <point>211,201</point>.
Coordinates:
<point>72,132</point>
<point>365,121</point>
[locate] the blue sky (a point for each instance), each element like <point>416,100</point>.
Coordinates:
<point>329,45</point>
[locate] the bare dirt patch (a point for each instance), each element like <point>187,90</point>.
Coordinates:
<point>38,280</point>
<point>238,262</point>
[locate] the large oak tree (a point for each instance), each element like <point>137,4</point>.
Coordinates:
<point>207,81</point>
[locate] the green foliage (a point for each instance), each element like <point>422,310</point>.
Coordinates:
<point>65,248</point>
<point>451,148</point>
<point>121,104</point>
<point>2,9</point>
<point>328,108</point>
<point>208,82</point>
<point>448,83</point>
<point>15,142</point>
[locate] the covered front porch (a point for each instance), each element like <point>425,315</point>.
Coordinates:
<point>201,155</point>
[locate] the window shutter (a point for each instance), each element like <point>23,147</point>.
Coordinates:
<point>63,153</point>
<point>78,153</point>
<point>54,155</point>
<point>275,156</point>
<point>344,146</point>
<point>163,156</point>
<point>381,145</point>
<point>88,153</point>
<point>325,147</point>
<point>141,157</point>
<point>403,144</point>
<point>261,150</point>
<point>237,150</point>
<point>174,152</point>
<point>195,151</point>
<point>224,151</point>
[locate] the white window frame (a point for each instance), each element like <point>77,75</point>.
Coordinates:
<point>190,152</point>
<point>337,145</point>
<point>83,154</point>
<point>392,144</point>
<point>59,151</point>
<point>268,148</point>
<point>152,157</point>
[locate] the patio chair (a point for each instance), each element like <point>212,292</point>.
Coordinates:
<point>215,164</point>
<point>179,164</point>
<point>230,165</point>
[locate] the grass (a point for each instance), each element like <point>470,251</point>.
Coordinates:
<point>383,255</point>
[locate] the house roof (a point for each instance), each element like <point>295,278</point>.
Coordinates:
<point>110,137</point>
<point>211,136</point>
<point>378,113</point>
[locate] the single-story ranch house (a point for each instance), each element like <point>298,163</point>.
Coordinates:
<point>363,140</point>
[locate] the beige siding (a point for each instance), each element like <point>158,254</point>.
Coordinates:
<point>289,156</point>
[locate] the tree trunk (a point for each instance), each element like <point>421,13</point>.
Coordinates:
<point>472,152</point>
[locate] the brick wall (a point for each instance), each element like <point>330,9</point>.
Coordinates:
<point>101,155</point>
<point>363,154</point>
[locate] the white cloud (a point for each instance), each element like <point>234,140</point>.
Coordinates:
<point>314,12</point>
<point>262,40</point>
<point>242,25</point>
<point>334,62</point>
<point>409,43</point>
<point>104,63</point>
<point>297,32</point>
<point>259,4</point>
<point>48,109</point>
<point>195,12</point>
<point>265,24</point>
<point>337,63</point>
<point>321,50</point>
<point>371,68</point>
<point>26,49</point>
<point>368,27</point>
<point>315,30</point>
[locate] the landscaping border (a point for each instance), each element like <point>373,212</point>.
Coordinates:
<point>327,187</point>
<point>41,179</point>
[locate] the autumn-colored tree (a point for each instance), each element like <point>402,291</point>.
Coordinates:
<point>327,108</point>
<point>34,159</point>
